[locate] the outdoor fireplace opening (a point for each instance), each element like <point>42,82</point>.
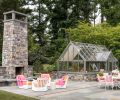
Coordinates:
<point>19,70</point>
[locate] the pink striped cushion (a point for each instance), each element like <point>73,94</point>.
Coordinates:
<point>60,82</point>
<point>20,80</point>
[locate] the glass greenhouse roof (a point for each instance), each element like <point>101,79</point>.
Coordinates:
<point>88,52</point>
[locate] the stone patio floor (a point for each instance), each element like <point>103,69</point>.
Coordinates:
<point>74,91</point>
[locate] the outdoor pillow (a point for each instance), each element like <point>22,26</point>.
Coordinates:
<point>60,82</point>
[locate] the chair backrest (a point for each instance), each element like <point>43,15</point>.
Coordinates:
<point>99,78</point>
<point>20,79</point>
<point>65,78</point>
<point>41,82</point>
<point>45,76</point>
<point>105,74</point>
<point>108,78</point>
<point>118,75</point>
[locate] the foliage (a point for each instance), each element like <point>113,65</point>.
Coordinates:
<point>110,10</point>
<point>38,58</point>
<point>33,47</point>
<point>44,68</point>
<point>50,18</point>
<point>100,73</point>
<point>48,68</point>
<point>103,34</point>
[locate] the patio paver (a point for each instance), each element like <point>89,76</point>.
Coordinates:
<point>75,91</point>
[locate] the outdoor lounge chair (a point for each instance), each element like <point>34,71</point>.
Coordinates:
<point>47,77</point>
<point>62,82</point>
<point>22,82</point>
<point>101,80</point>
<point>109,82</point>
<point>40,84</point>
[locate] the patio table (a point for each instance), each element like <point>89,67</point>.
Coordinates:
<point>52,85</point>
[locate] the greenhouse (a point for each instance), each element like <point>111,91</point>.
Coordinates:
<point>84,57</point>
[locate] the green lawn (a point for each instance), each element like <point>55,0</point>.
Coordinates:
<point>10,96</point>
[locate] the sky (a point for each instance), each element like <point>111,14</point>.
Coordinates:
<point>98,18</point>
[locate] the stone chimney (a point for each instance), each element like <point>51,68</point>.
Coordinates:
<point>15,44</point>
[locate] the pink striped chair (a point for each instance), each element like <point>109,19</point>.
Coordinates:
<point>101,80</point>
<point>22,82</point>
<point>109,82</point>
<point>62,82</point>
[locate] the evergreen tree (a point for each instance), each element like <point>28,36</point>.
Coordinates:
<point>110,10</point>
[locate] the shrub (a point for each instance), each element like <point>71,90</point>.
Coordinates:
<point>48,67</point>
<point>100,73</point>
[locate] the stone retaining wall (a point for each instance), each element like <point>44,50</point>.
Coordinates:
<point>79,76</point>
<point>7,82</point>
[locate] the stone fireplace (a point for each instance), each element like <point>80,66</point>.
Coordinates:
<point>19,70</point>
<point>15,45</point>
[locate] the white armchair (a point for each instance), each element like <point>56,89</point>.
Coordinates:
<point>39,85</point>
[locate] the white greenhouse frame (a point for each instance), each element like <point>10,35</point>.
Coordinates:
<point>84,57</point>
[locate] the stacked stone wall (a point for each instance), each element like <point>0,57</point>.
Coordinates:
<point>15,46</point>
<point>2,72</point>
<point>7,44</point>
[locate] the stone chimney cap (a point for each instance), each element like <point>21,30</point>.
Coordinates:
<point>15,12</point>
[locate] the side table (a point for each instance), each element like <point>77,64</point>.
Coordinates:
<point>52,86</point>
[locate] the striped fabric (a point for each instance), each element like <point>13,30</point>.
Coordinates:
<point>40,82</point>
<point>20,80</point>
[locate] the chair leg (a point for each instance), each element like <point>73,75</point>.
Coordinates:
<point>99,85</point>
<point>105,87</point>
<point>112,87</point>
<point>116,87</point>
